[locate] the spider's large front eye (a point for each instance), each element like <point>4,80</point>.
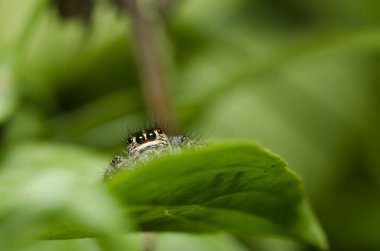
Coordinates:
<point>140,138</point>
<point>150,135</point>
<point>130,140</point>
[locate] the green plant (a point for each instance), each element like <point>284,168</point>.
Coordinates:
<point>299,77</point>
<point>237,188</point>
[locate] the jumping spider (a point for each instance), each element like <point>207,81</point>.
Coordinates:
<point>145,145</point>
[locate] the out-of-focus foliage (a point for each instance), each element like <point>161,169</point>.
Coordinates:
<point>301,77</point>
<point>47,186</point>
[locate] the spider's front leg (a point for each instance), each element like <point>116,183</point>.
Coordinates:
<point>114,166</point>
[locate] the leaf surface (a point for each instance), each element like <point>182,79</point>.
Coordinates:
<point>238,188</point>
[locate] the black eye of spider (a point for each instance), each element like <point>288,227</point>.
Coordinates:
<point>140,138</point>
<point>150,135</point>
<point>159,130</point>
<point>130,140</point>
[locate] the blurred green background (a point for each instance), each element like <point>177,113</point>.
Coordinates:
<point>300,77</point>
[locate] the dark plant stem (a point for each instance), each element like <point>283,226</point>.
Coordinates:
<point>151,70</point>
<point>165,7</point>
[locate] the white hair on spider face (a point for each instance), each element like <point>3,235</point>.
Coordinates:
<point>149,142</point>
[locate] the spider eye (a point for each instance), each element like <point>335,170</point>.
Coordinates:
<point>140,138</point>
<point>159,130</point>
<point>130,140</point>
<point>150,135</point>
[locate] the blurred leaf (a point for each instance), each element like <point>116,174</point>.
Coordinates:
<point>121,243</point>
<point>200,242</point>
<point>15,28</point>
<point>26,124</point>
<point>238,187</point>
<point>49,186</point>
<point>8,97</point>
<point>62,245</point>
<point>72,59</point>
<point>249,62</point>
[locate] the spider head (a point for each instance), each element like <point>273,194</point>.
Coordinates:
<point>147,142</point>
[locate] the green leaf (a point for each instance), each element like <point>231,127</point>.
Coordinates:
<point>199,242</point>
<point>53,191</point>
<point>8,97</point>
<point>238,188</point>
